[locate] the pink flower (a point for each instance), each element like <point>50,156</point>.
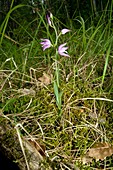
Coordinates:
<point>62,50</point>
<point>49,17</point>
<point>46,43</point>
<point>64,31</point>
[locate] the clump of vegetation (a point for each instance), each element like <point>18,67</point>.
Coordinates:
<point>59,100</point>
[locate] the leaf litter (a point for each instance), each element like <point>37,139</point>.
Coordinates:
<point>99,151</point>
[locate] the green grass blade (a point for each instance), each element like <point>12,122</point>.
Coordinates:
<point>105,66</point>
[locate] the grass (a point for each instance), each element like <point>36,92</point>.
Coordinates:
<point>85,80</point>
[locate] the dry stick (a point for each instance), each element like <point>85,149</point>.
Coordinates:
<point>21,144</point>
<point>9,38</point>
<point>91,98</point>
<point>19,124</point>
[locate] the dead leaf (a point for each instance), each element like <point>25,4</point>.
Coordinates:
<point>86,159</point>
<point>39,147</point>
<point>45,79</point>
<point>100,151</point>
<point>25,91</point>
<point>36,153</point>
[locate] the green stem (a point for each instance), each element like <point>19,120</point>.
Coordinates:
<point>57,69</point>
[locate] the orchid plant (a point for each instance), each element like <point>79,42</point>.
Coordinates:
<point>60,50</point>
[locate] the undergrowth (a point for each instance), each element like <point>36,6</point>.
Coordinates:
<point>86,80</point>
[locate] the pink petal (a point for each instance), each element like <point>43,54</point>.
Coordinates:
<point>49,17</point>
<point>64,31</point>
<point>46,43</point>
<point>62,50</point>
